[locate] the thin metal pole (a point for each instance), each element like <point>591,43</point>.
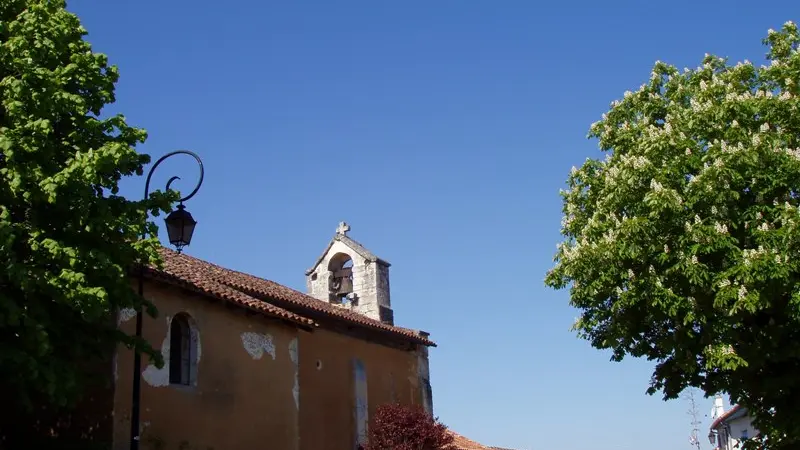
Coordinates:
<point>137,371</point>
<point>137,357</point>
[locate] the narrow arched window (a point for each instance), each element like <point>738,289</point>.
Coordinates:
<point>180,350</point>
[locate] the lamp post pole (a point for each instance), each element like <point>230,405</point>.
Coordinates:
<point>180,227</point>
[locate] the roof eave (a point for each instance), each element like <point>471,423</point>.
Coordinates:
<point>160,276</point>
<point>728,415</point>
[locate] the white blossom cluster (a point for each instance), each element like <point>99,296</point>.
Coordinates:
<point>751,255</point>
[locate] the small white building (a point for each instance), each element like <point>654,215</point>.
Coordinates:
<point>729,427</point>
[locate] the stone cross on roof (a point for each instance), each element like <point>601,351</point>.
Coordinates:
<point>343,228</point>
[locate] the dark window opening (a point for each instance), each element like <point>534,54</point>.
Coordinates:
<point>180,350</point>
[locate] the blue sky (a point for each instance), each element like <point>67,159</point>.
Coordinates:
<point>441,131</point>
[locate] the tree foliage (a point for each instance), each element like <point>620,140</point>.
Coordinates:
<point>67,239</point>
<point>398,427</point>
<point>683,244</point>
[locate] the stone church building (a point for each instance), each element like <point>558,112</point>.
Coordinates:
<point>250,363</point>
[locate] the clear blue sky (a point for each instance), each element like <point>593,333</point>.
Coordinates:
<point>441,131</point>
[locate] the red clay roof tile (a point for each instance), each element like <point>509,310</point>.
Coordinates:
<point>183,275</point>
<point>462,443</point>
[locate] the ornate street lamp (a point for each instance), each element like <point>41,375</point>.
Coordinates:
<point>180,227</point>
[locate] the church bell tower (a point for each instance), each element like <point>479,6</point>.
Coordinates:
<point>350,276</point>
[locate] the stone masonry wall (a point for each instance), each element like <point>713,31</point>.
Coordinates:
<point>370,281</point>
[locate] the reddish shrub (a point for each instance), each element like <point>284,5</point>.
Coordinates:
<point>398,427</point>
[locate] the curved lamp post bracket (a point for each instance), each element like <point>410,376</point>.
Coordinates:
<point>173,179</point>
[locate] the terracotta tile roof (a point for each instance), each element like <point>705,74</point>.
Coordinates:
<point>725,416</point>
<point>277,299</point>
<point>462,443</point>
<point>183,275</point>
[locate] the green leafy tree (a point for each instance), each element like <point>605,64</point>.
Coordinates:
<point>683,245</point>
<point>67,239</point>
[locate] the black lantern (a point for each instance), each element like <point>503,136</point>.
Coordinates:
<point>180,227</point>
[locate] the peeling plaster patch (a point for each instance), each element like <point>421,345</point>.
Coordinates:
<point>116,366</point>
<point>154,376</point>
<point>256,344</point>
<point>293,351</point>
<point>295,361</point>
<point>125,315</point>
<point>296,390</point>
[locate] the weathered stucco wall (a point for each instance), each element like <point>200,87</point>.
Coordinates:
<point>245,392</point>
<point>328,407</point>
<point>258,382</point>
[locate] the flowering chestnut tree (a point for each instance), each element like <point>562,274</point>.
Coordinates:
<point>683,244</point>
<point>398,427</point>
